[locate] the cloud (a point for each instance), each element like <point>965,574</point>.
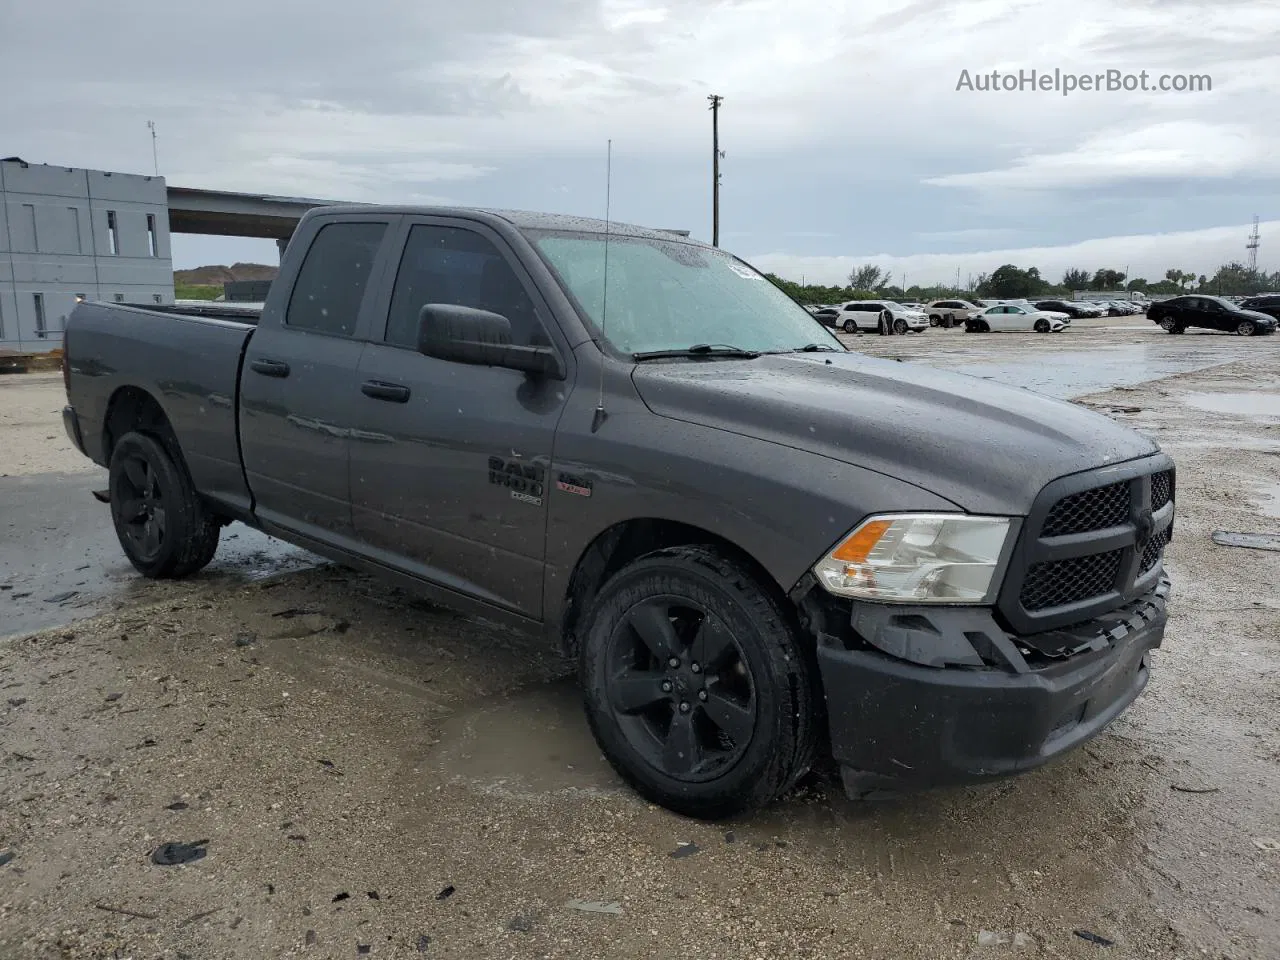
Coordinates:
<point>841,123</point>
<point>1146,255</point>
<point>1184,149</point>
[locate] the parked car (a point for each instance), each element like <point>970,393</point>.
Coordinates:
<point>1014,316</point>
<point>950,313</point>
<point>828,316</point>
<point>1211,313</point>
<point>1068,308</point>
<point>883,316</point>
<point>1266,303</point>
<point>708,503</point>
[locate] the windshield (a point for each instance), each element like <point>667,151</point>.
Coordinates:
<point>668,295</point>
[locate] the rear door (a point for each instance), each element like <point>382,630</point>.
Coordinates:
<point>299,386</point>
<point>998,318</point>
<point>451,462</point>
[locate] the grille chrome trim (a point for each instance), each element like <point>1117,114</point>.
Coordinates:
<point>1030,599</point>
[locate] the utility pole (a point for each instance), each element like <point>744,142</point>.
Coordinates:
<point>155,157</point>
<point>1252,247</point>
<point>715,168</point>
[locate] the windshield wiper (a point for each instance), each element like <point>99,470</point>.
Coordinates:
<point>815,348</point>
<point>699,350</point>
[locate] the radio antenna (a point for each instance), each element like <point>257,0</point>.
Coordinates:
<point>600,413</point>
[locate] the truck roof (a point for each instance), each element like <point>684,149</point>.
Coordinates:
<point>521,219</point>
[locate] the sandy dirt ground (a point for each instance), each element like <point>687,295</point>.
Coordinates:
<point>368,774</point>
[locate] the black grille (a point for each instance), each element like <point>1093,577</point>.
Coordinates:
<point>1060,582</point>
<point>1151,552</point>
<point>1087,510</point>
<point>1161,488</point>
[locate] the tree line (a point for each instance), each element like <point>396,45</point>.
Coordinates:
<point>1009,282</point>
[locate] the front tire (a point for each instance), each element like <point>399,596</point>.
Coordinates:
<point>900,327</point>
<point>164,528</point>
<point>850,326</point>
<point>935,320</point>
<point>1246,328</point>
<point>697,684</point>
<point>1042,325</point>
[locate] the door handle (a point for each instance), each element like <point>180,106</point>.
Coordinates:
<point>385,391</point>
<point>269,368</point>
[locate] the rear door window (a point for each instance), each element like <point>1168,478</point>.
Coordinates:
<point>331,284</point>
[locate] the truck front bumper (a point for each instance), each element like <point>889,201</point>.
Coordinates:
<point>895,723</point>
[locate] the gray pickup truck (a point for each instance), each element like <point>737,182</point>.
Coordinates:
<point>759,547</point>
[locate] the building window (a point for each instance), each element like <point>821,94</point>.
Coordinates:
<point>38,300</point>
<point>113,232</point>
<point>152,238</point>
<point>29,209</point>
<point>75,228</point>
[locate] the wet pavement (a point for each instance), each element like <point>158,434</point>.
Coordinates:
<point>60,560</point>
<point>373,774</point>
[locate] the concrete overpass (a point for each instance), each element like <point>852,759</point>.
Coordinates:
<point>224,213</point>
<point>227,214</point>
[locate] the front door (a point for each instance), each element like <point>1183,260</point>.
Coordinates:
<point>450,461</point>
<point>299,384</point>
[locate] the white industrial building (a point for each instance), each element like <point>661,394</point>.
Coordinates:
<point>68,234</point>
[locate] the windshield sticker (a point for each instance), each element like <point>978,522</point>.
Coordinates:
<point>743,272</point>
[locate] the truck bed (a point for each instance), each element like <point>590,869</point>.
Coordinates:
<point>187,358</point>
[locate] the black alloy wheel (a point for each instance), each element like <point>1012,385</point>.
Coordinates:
<point>163,526</point>
<point>697,683</point>
<point>680,689</point>
<point>142,512</point>
<point>900,327</point>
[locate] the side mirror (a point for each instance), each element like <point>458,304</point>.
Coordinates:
<point>467,335</point>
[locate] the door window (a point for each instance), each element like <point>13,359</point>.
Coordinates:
<point>457,266</point>
<point>331,284</point>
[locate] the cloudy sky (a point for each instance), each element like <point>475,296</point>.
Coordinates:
<point>845,138</point>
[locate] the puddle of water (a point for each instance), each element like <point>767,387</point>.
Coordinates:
<point>1270,504</point>
<point>533,742</point>
<point>1255,405</point>
<point>1077,373</point>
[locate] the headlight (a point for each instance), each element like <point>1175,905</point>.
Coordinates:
<point>917,558</point>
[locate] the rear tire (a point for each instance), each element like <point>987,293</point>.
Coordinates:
<point>738,721</point>
<point>163,527</point>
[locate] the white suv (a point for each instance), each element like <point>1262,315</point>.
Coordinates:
<point>883,316</point>
<point>951,313</point>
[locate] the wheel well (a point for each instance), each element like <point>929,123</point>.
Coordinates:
<point>133,409</point>
<point>619,545</point>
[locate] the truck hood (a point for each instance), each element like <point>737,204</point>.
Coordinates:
<point>987,448</point>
